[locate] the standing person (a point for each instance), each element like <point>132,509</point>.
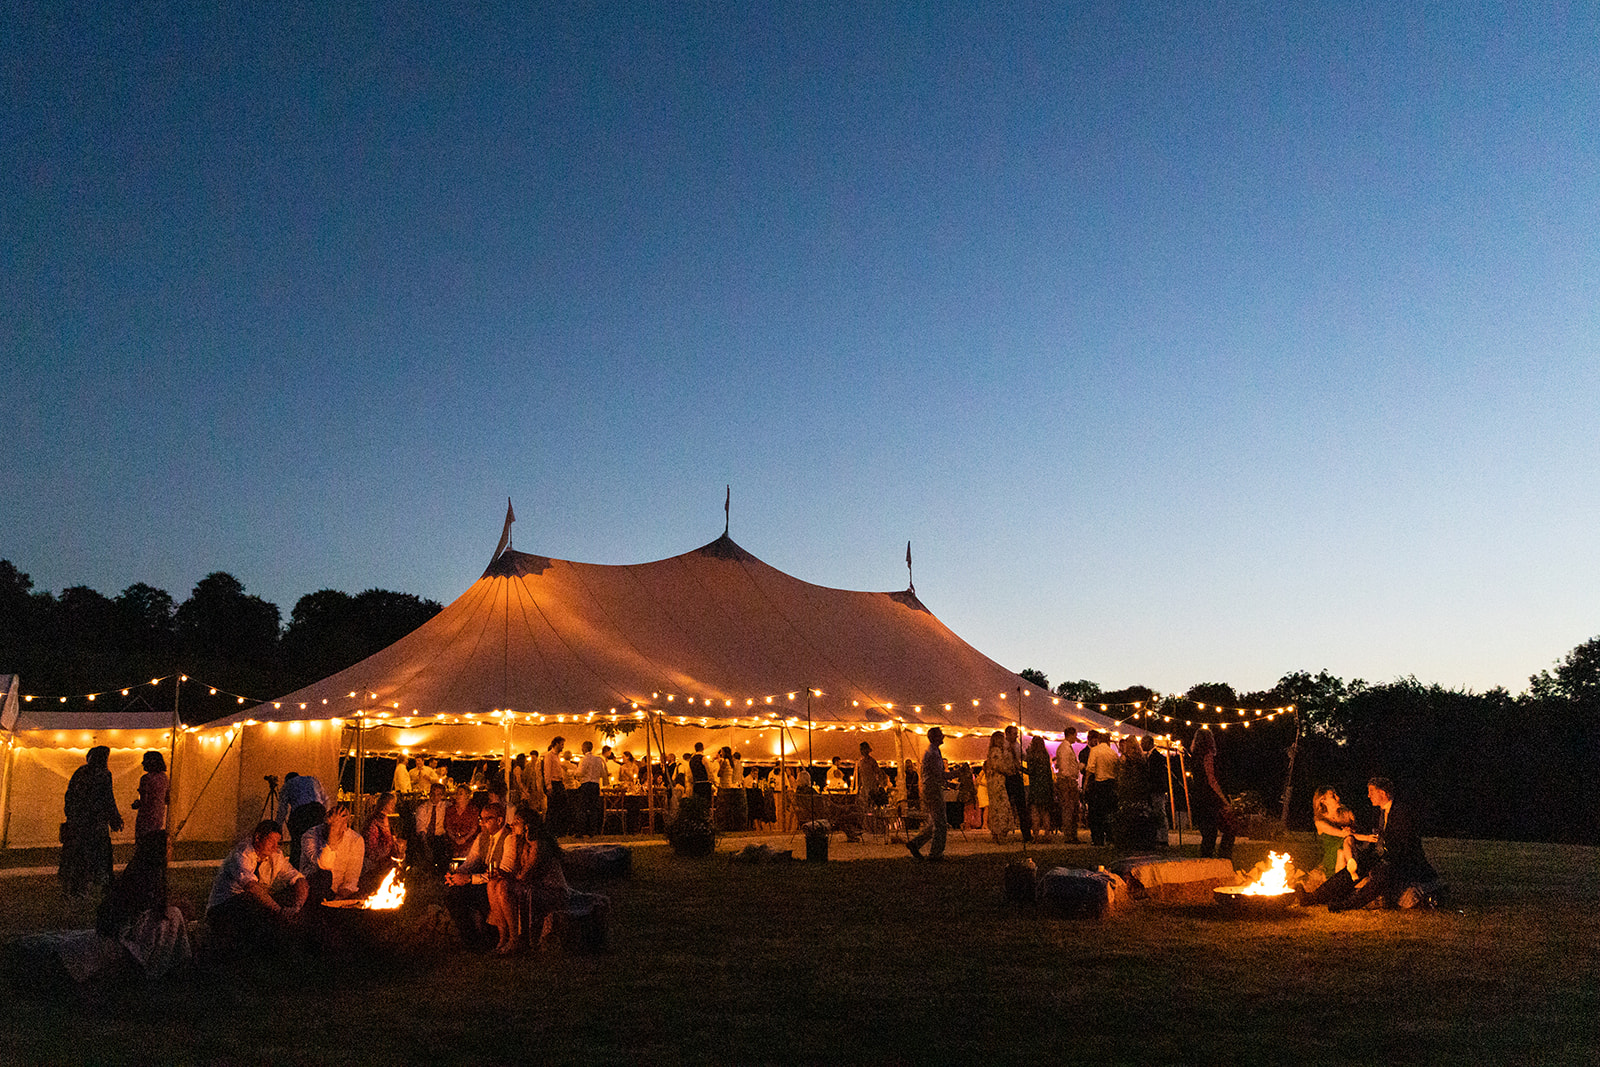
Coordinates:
<point>91,816</point>
<point>699,773</point>
<point>430,828</point>
<point>1016,791</point>
<point>1067,770</point>
<point>1041,787</point>
<point>871,783</point>
<point>1401,861</point>
<point>302,803</point>
<point>1002,816</point>
<point>1155,762</point>
<point>402,776</point>
<point>592,775</point>
<point>382,846</point>
<point>1135,821</point>
<point>1212,812</point>
<point>155,790</point>
<point>932,782</point>
<point>555,787</point>
<point>1101,775</point>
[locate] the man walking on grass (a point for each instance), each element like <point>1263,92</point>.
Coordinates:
<point>933,800</point>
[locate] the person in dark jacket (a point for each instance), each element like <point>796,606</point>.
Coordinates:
<point>91,816</point>
<point>1401,861</point>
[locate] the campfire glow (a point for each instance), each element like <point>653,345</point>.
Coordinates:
<point>387,896</point>
<point>1274,881</point>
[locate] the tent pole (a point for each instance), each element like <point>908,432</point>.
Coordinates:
<point>1187,808</point>
<point>172,754</point>
<point>649,782</point>
<point>811,749</point>
<point>1172,801</point>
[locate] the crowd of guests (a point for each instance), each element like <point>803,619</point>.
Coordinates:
<point>495,851</point>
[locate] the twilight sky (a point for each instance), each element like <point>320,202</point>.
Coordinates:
<point>1185,341</point>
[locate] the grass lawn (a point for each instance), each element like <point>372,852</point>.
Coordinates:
<point>889,961</point>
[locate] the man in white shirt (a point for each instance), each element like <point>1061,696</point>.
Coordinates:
<point>331,855</point>
<point>1067,769</point>
<point>592,774</point>
<point>430,827</point>
<point>1101,774</point>
<point>257,893</point>
<point>402,775</point>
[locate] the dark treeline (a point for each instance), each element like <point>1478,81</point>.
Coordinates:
<point>1481,765</point>
<point>83,641</point>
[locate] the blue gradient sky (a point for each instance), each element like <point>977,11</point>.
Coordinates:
<point>1186,342</point>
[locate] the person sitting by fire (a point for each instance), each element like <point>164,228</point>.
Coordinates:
<point>536,884</point>
<point>257,893</point>
<point>385,851</point>
<point>461,822</point>
<point>1401,864</point>
<point>466,892</point>
<point>433,842</point>
<point>331,856</point>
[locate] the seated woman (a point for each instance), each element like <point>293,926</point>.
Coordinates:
<point>536,885</point>
<point>1342,856</point>
<point>382,849</point>
<point>138,931</point>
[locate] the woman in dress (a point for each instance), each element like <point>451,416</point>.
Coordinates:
<point>1211,810</point>
<point>1042,788</point>
<point>1002,820</point>
<point>382,845</point>
<point>537,885</point>
<point>154,791</point>
<point>138,930</point>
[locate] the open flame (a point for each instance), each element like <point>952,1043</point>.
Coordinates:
<point>387,896</point>
<point>1274,881</point>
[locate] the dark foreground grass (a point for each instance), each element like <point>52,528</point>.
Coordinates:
<point>894,962</point>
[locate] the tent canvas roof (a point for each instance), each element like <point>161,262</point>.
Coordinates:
<point>711,634</point>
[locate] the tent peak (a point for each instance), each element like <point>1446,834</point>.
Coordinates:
<point>724,548</point>
<point>514,564</point>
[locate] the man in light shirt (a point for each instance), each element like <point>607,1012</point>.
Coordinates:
<point>257,893</point>
<point>592,774</point>
<point>430,827</point>
<point>1067,770</point>
<point>331,855</point>
<point>1101,773</point>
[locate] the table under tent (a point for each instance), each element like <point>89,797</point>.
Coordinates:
<point>712,645</point>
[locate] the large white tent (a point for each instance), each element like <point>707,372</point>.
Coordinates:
<point>710,640</point>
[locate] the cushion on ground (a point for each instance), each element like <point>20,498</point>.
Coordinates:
<point>597,861</point>
<point>1180,881</point>
<point>1072,893</point>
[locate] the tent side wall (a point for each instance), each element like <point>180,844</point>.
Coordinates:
<point>276,748</point>
<point>36,786</point>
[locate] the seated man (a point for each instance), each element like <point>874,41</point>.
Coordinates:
<point>331,855</point>
<point>431,830</point>
<point>466,892</point>
<point>1401,862</point>
<point>257,893</point>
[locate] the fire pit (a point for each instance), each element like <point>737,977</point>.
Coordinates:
<point>368,922</point>
<point>1269,894</point>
